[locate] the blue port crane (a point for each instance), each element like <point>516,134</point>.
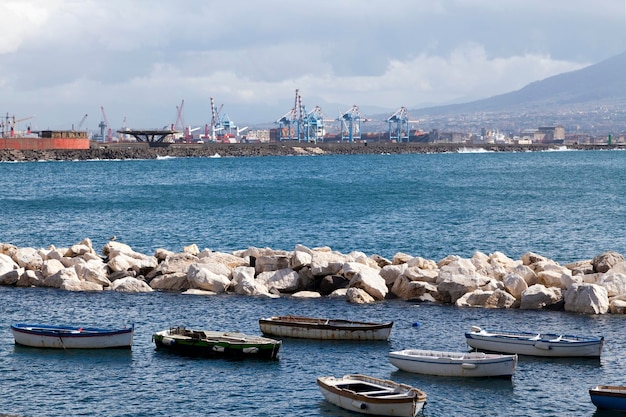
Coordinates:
<point>291,122</point>
<point>351,124</point>
<point>222,127</point>
<point>399,125</point>
<point>314,128</point>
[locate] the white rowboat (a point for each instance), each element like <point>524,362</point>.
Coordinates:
<point>369,395</point>
<point>71,337</point>
<point>463,364</point>
<point>534,344</point>
<point>324,329</point>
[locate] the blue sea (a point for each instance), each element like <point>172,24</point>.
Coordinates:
<point>566,205</point>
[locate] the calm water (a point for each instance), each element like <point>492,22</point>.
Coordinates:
<point>564,205</point>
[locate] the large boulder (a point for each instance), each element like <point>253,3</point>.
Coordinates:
<point>284,280</point>
<point>59,279</point>
<point>614,283</point>
<point>391,272</point>
<point>539,296</point>
<point>606,260</point>
<point>94,271</point>
<point>587,299</point>
<point>326,263</point>
<point>370,281</point>
<point>28,258</point>
<point>175,281</point>
<point>515,284</point>
<point>454,286</point>
<point>245,283</point>
<point>201,277</point>
<point>408,289</point>
<point>358,296</point>
<point>130,285</point>
<point>486,299</point>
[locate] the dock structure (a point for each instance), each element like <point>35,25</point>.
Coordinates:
<point>154,138</point>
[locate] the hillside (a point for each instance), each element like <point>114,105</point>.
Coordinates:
<point>599,83</point>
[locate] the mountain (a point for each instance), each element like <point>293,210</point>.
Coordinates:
<point>601,83</point>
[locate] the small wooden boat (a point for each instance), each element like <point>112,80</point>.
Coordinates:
<point>534,344</point>
<point>369,395</point>
<point>465,364</point>
<point>71,337</point>
<point>609,397</point>
<point>212,343</point>
<point>324,329</point>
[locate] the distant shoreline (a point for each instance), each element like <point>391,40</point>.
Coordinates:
<point>142,151</point>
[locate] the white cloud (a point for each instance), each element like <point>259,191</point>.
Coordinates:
<point>62,58</point>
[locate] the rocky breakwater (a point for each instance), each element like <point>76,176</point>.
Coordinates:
<point>594,286</point>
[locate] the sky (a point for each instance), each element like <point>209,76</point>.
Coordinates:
<point>141,63</point>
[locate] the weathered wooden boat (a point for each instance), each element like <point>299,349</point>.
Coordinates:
<point>71,337</point>
<point>214,343</point>
<point>324,329</point>
<point>369,395</point>
<point>463,364</point>
<point>609,397</point>
<point>534,344</point>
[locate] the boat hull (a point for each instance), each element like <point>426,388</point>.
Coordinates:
<point>373,396</point>
<point>531,344</point>
<point>216,344</point>
<point>70,337</point>
<point>608,397</point>
<point>324,329</point>
<point>454,364</point>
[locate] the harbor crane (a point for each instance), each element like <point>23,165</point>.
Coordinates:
<point>222,127</point>
<point>80,124</point>
<point>105,125</point>
<point>399,125</point>
<point>290,123</point>
<point>351,124</point>
<point>300,125</point>
<point>314,128</point>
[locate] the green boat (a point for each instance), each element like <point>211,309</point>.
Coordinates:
<point>216,344</point>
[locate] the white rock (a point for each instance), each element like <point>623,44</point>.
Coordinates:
<point>203,278</point>
<point>358,296</point>
<point>245,283</point>
<point>514,284</point>
<point>195,291</point>
<point>454,286</point>
<point>176,281</point>
<point>326,263</point>
<point>283,280</point>
<point>587,299</point>
<point>371,282</point>
<point>130,285</point>
<point>391,272</point>
<point>58,279</point>
<point>28,258</point>
<point>538,296</point>
<point>407,289</point>
<point>93,271</point>
<point>71,285</point>
<point>306,294</point>
<point>614,283</point>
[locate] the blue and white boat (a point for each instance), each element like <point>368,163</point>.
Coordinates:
<point>461,364</point>
<point>609,397</point>
<point>71,337</point>
<point>534,344</point>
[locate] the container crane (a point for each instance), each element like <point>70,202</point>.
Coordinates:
<point>351,124</point>
<point>292,124</point>
<point>399,129</point>
<point>314,129</point>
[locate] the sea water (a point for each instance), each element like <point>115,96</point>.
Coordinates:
<point>567,206</point>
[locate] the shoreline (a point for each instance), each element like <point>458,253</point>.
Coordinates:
<point>110,151</point>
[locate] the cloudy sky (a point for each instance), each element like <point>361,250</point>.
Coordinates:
<point>139,59</point>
